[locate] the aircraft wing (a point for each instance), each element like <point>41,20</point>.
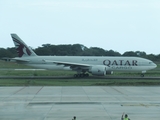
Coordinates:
<point>15,59</point>
<point>70,64</point>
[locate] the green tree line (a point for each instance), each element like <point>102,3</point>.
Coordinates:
<point>76,50</point>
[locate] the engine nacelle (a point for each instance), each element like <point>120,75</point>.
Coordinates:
<point>99,70</point>
<point>109,72</point>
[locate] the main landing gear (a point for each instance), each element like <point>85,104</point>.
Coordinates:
<point>81,75</point>
<point>142,75</point>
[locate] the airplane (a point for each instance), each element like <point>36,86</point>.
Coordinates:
<point>99,66</point>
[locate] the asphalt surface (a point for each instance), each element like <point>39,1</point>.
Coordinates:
<point>86,103</point>
<point>71,77</point>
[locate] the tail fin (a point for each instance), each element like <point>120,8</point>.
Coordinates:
<point>22,49</point>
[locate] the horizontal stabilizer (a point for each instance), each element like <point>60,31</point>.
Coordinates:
<point>20,60</point>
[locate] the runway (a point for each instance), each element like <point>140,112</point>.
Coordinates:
<point>86,103</point>
<point>71,77</point>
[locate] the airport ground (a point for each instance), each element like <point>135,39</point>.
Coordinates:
<point>87,99</point>
<point>84,102</point>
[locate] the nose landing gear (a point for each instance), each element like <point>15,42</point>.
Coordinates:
<point>142,74</point>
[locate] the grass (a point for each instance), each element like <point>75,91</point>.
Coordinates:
<point>7,70</point>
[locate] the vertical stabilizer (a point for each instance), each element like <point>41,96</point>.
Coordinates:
<point>22,49</point>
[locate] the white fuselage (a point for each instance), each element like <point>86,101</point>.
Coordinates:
<point>112,63</point>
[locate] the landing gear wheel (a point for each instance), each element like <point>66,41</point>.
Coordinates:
<point>142,75</point>
<point>86,75</point>
<point>76,75</point>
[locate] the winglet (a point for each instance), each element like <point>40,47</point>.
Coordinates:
<point>22,49</point>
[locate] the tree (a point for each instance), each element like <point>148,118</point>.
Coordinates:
<point>12,52</point>
<point>130,53</point>
<point>112,53</point>
<point>3,52</point>
<point>43,51</point>
<point>76,50</point>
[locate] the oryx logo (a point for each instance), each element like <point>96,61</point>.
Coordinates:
<point>21,48</point>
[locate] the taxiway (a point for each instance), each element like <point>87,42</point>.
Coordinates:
<point>86,103</point>
<point>71,77</point>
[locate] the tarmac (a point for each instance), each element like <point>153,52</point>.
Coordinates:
<point>84,102</point>
<point>71,77</point>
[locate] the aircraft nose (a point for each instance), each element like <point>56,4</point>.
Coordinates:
<point>155,65</point>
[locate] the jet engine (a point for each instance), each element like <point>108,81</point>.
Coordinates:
<point>99,70</point>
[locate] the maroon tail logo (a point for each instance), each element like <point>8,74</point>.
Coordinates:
<point>21,48</point>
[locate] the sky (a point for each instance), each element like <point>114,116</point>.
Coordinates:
<point>119,25</point>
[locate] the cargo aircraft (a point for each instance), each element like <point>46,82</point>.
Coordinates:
<point>95,65</point>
